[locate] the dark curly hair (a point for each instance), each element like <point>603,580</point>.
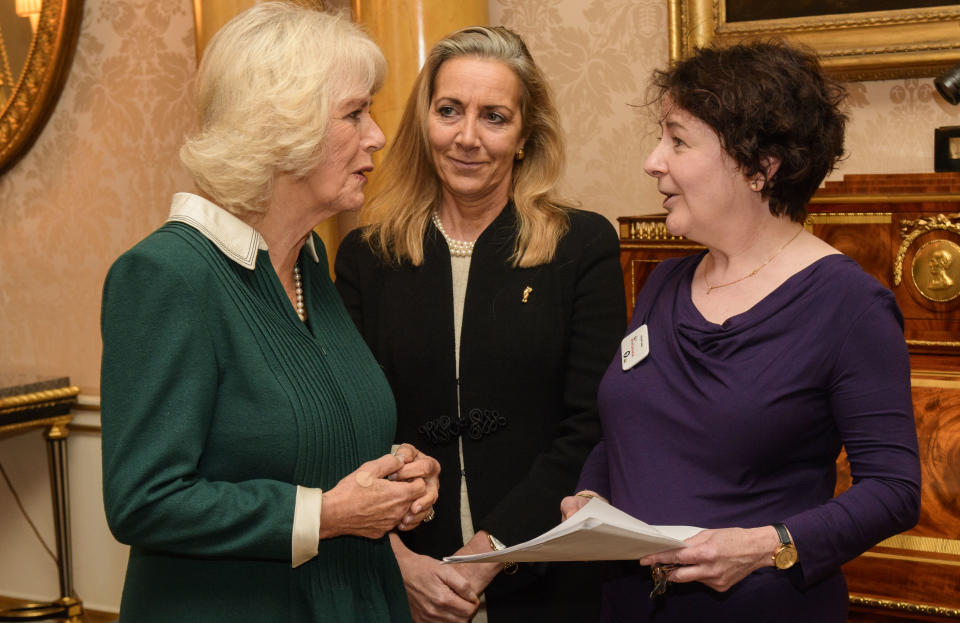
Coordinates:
<point>765,99</point>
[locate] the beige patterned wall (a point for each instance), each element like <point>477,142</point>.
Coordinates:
<point>98,179</point>
<point>599,54</point>
<point>892,124</point>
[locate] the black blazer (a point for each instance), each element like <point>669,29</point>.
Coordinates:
<point>529,368</point>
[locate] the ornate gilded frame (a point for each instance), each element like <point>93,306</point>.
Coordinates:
<point>39,85</point>
<point>852,46</point>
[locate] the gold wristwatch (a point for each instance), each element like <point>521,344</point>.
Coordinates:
<point>496,545</point>
<point>786,554</point>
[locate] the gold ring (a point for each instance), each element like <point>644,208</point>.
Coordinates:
<point>430,515</point>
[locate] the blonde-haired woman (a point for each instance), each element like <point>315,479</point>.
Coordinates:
<point>246,427</point>
<point>493,307</point>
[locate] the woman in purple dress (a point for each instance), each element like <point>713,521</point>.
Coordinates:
<point>762,356</point>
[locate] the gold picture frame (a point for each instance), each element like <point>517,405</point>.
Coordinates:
<point>39,84</point>
<point>870,45</point>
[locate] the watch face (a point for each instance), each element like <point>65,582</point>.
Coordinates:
<point>785,557</point>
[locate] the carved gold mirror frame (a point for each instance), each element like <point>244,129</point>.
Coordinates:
<point>38,86</point>
<point>874,45</point>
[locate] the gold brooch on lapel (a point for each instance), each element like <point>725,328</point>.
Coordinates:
<point>526,293</point>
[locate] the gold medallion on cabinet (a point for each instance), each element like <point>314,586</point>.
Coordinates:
<point>936,270</point>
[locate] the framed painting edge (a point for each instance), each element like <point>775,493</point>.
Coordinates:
<point>876,45</point>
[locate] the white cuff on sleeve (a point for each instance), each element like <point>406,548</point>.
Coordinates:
<point>305,541</point>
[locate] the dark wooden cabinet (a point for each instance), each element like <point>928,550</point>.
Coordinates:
<point>905,231</point>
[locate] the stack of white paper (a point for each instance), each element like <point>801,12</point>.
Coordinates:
<point>597,531</point>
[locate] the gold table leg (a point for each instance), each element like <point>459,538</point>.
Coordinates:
<point>68,607</point>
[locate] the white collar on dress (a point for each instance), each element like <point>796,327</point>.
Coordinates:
<point>233,237</point>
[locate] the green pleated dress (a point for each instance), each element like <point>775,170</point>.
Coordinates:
<point>216,402</point>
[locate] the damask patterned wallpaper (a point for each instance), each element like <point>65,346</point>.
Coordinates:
<point>98,179</point>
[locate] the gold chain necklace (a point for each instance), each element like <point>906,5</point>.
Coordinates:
<point>756,270</point>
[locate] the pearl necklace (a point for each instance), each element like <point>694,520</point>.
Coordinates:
<point>753,272</point>
<point>458,248</point>
<point>298,287</point>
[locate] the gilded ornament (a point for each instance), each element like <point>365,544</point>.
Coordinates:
<point>910,230</point>
<point>936,270</point>
<point>904,606</point>
<point>38,85</point>
<point>651,230</point>
<point>864,46</point>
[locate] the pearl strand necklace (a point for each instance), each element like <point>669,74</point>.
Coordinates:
<point>458,248</point>
<point>298,287</point>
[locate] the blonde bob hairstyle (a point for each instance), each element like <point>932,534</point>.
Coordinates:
<point>265,90</point>
<point>398,215</point>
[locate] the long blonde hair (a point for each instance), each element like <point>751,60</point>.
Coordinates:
<point>399,214</point>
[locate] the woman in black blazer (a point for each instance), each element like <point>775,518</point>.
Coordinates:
<point>494,308</point>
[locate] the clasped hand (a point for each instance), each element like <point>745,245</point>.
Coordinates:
<point>395,491</point>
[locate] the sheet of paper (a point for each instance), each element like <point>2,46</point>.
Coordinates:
<point>597,531</point>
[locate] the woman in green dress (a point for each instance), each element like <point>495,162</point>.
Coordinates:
<point>247,429</point>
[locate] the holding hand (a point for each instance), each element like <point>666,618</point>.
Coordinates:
<point>437,593</point>
<point>572,503</point>
<point>365,503</point>
<point>720,558</point>
<point>479,574</point>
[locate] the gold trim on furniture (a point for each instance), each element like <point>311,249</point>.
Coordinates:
<point>930,372</point>
<point>852,46</point>
<point>936,383</point>
<point>880,198</point>
<point>39,84</point>
<point>57,421</point>
<point>928,544</point>
<point>672,247</point>
<point>925,559</point>
<point>850,218</point>
<point>904,606</point>
<point>48,396</point>
<point>933,343</point>
<point>920,226</point>
<point>648,230</point>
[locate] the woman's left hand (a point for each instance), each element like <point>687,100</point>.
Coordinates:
<point>479,574</point>
<point>720,558</point>
<point>418,465</point>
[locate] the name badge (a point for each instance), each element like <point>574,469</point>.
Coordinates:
<point>634,348</point>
